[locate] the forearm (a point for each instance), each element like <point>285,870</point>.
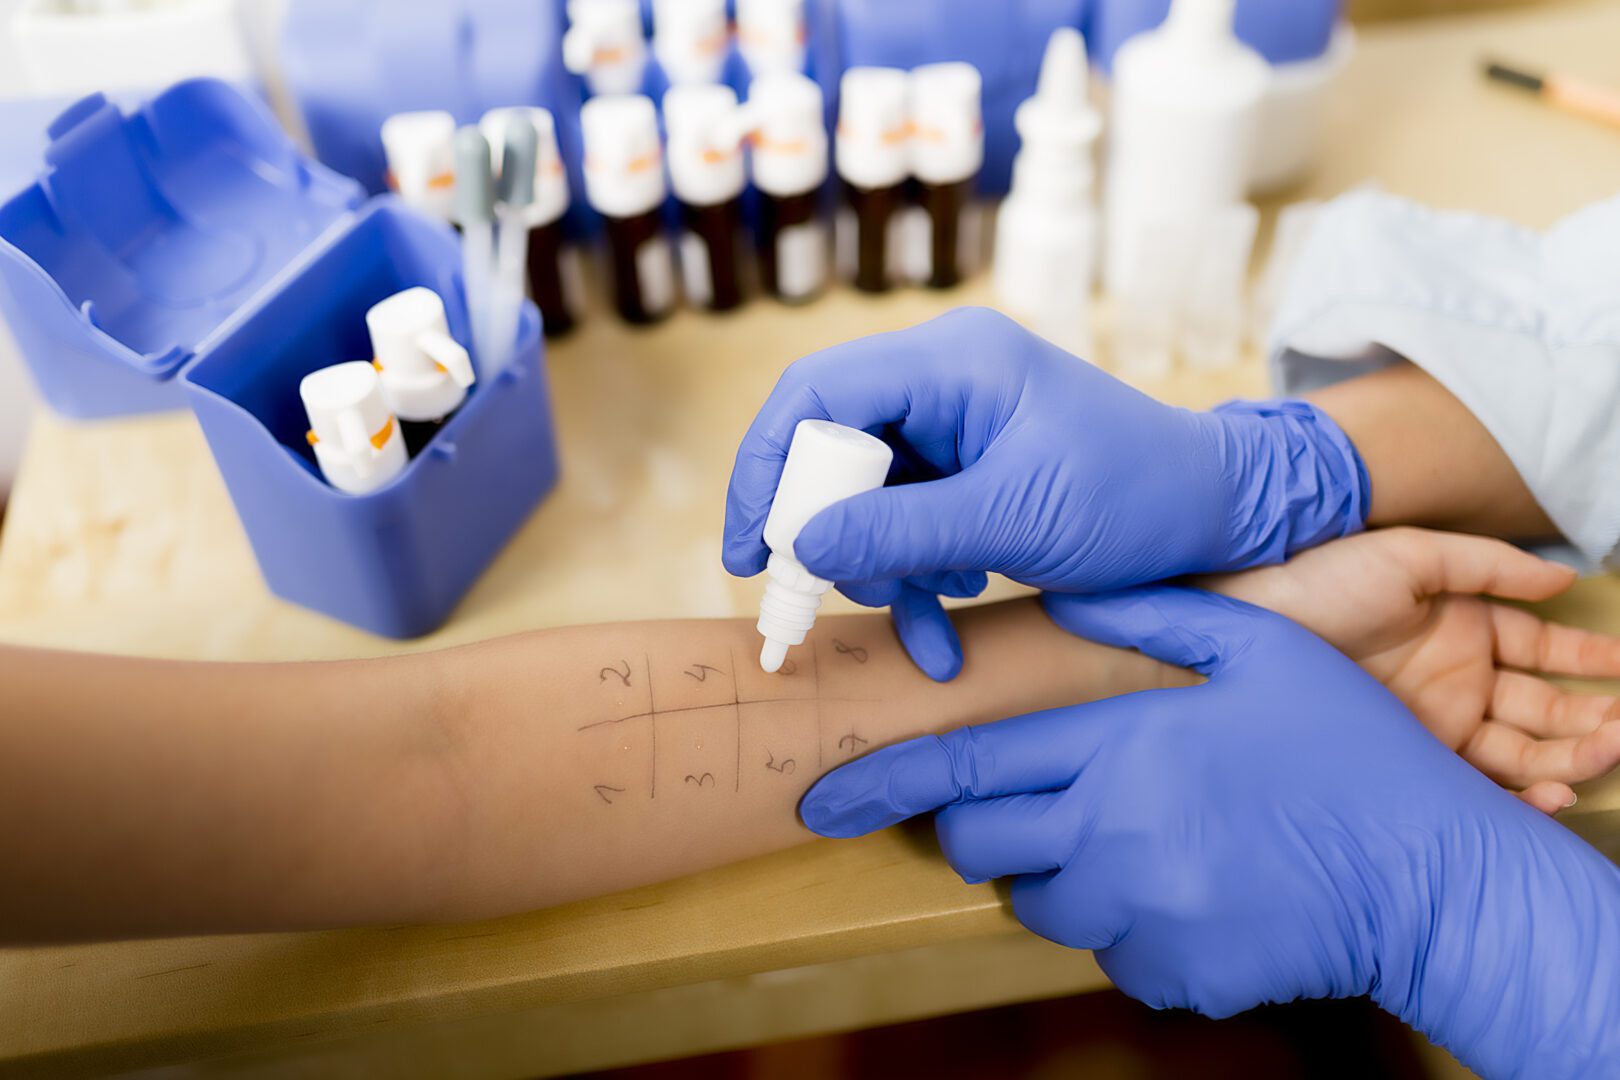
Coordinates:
<point>667,750</point>
<point>1430,460</point>
<point>145,797</point>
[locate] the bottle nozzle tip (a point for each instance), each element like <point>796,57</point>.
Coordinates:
<point>771,656</point>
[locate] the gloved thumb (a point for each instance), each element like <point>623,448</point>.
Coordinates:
<point>1188,627</point>
<point>899,531</point>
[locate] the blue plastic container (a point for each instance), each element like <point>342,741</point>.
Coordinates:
<point>186,249</point>
<point>145,233</point>
<point>396,561</point>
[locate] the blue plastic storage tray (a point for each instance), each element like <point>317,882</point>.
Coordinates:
<point>145,233</point>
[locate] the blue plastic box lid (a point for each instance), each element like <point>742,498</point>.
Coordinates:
<point>146,232</point>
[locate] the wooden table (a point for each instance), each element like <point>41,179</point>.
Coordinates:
<point>121,538</point>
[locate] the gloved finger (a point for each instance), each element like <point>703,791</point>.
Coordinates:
<point>1524,641</point>
<point>1018,834</point>
<point>1514,759</point>
<point>1549,796</point>
<point>887,591</point>
<point>1075,909</point>
<point>926,631</point>
<point>872,593</point>
<point>949,524</point>
<point>1539,708</point>
<point>1042,751</point>
<point>866,384</point>
<point>1189,627</point>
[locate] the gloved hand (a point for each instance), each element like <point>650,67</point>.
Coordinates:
<point>1036,465</point>
<point>1285,830</point>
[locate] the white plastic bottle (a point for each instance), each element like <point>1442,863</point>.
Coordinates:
<point>706,170</point>
<point>771,35</point>
<point>947,151</point>
<point>690,39</point>
<point>421,155</point>
<point>1046,229</point>
<point>826,463</point>
<point>1185,124</point>
<point>871,152</point>
<point>604,43</point>
<point>357,443</point>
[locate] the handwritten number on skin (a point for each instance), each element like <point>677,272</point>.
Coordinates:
<point>785,766</point>
<point>700,672</point>
<point>856,653</point>
<point>852,742</point>
<point>604,789</point>
<point>622,676</point>
<point>706,780</point>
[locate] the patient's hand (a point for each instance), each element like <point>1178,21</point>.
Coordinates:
<point>1409,606</point>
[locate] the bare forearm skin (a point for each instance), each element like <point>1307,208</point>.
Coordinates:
<point>144,797</point>
<point>1430,460</point>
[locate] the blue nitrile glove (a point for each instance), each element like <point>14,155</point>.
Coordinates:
<point>1038,466</point>
<point>1285,830</point>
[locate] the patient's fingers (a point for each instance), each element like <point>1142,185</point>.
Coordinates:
<point>1524,641</point>
<point>1451,562</point>
<point>1540,708</point>
<point>1549,796</point>
<point>1517,760</point>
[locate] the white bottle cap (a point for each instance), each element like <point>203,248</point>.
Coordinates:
<point>874,127</point>
<point>624,160</point>
<point>420,149</point>
<point>1057,127</point>
<point>947,122</point>
<point>786,114</point>
<point>425,372</point>
<point>1204,20</point>
<point>550,178</point>
<point>356,441</point>
<point>704,123</point>
<point>604,43</point>
<point>771,35</point>
<point>690,39</point>
<point>826,463</point>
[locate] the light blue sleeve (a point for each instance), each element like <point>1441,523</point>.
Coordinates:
<point>1522,326</point>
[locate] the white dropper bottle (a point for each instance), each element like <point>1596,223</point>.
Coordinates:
<point>826,463</point>
<point>1185,120</point>
<point>1046,229</point>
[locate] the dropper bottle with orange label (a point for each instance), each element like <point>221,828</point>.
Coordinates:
<point>947,151</point>
<point>784,118</point>
<point>624,182</point>
<point>871,144</point>
<point>706,171</point>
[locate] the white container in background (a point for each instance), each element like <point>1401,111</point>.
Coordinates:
<point>1046,229</point>
<point>75,47</point>
<point>1184,128</point>
<point>1291,115</point>
<point>771,35</point>
<point>690,40</point>
<point>604,43</point>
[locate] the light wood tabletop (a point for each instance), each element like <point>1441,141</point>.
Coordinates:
<point>121,538</point>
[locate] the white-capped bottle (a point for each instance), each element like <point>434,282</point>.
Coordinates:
<point>1186,107</point>
<point>947,152</point>
<point>690,40</point>
<point>425,372</point>
<point>604,43</point>
<point>771,35</point>
<point>624,182</point>
<point>421,155</point>
<point>553,264</point>
<point>871,149</point>
<point>356,440</point>
<point>704,125</point>
<point>784,116</point>
<point>1046,229</point>
<point>826,463</point>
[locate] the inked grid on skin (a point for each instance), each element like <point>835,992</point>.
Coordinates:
<point>688,712</point>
